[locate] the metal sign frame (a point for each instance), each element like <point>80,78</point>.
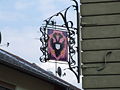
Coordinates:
<point>72,31</point>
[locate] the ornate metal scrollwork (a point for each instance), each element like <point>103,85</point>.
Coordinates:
<point>72,32</point>
<point>43,48</point>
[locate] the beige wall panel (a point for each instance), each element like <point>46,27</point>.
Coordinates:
<point>100,8</point>
<point>23,81</point>
<point>98,56</point>
<point>110,69</point>
<point>100,32</point>
<point>101,81</point>
<point>101,44</point>
<point>89,1</point>
<point>100,20</point>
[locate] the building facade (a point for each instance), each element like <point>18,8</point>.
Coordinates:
<point>100,44</point>
<point>18,74</point>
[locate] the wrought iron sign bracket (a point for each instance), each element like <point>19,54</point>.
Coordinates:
<point>73,33</point>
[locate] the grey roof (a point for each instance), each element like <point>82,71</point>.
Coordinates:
<point>20,64</point>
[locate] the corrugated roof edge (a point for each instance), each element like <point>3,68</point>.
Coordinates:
<point>18,63</point>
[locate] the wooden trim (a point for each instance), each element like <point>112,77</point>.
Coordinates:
<point>99,82</point>
<point>100,9</point>
<point>98,56</point>
<point>110,69</point>
<point>101,20</point>
<point>104,89</point>
<point>101,32</point>
<point>101,44</point>
<point>97,1</point>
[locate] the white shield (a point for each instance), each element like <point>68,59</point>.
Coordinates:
<point>57,46</point>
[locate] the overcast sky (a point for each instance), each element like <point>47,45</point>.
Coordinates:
<point>20,21</point>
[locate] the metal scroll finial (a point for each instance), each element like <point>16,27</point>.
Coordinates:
<point>58,42</point>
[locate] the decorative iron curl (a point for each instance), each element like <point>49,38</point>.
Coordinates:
<point>71,35</point>
<point>44,38</point>
<point>72,40</point>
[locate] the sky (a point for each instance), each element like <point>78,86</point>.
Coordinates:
<point>20,21</point>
